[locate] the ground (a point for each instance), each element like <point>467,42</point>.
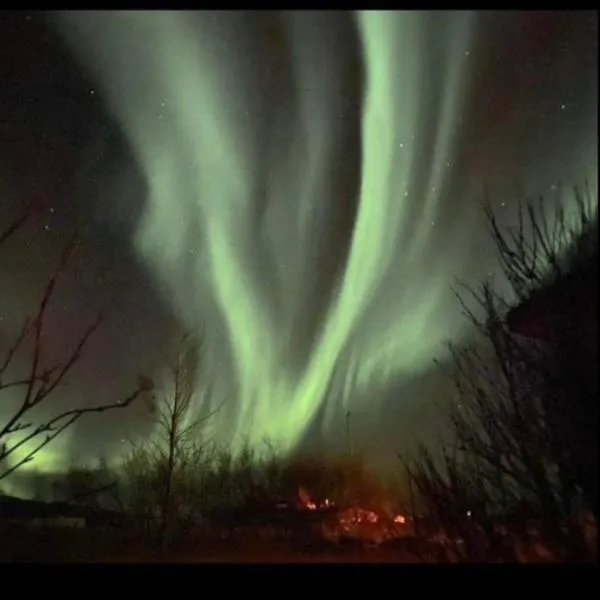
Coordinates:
<point>93,546</point>
<point>271,552</point>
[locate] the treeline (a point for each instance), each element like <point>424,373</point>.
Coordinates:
<point>516,476</point>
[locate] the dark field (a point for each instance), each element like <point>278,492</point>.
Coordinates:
<point>21,545</point>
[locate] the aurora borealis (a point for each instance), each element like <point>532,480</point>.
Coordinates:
<point>310,186</point>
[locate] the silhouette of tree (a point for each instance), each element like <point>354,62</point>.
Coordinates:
<point>21,430</point>
<point>512,454</point>
<point>160,472</point>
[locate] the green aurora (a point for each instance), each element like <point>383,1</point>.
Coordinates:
<point>242,124</point>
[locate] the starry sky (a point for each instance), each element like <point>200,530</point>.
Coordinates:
<point>303,188</point>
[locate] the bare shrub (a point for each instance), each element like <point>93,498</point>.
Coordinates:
<point>510,476</point>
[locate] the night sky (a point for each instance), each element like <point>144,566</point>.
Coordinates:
<point>302,187</point>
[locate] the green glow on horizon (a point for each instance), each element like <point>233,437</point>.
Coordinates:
<point>206,167</point>
<point>49,460</point>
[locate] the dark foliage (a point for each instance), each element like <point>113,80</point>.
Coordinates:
<point>519,475</point>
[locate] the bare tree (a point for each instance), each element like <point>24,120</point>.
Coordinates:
<point>42,378</point>
<point>508,454</point>
<point>177,451</point>
<point>248,479</point>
